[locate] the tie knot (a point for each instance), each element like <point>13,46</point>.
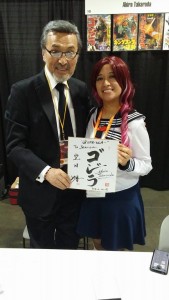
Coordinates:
<point>60,87</point>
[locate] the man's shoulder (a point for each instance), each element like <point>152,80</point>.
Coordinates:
<point>76,81</point>
<point>30,80</point>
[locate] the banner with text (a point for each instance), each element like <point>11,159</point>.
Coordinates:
<point>123,7</point>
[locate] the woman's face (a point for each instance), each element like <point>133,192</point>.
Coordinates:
<point>107,87</point>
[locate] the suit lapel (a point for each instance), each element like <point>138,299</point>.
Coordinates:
<point>45,98</point>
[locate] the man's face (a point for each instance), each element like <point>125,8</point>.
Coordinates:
<point>62,67</point>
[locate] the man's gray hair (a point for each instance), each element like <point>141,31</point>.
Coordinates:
<point>60,26</point>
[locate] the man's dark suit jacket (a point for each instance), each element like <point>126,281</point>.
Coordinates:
<point>32,137</point>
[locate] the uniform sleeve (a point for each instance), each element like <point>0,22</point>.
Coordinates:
<point>140,162</point>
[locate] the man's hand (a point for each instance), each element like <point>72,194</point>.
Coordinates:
<point>58,178</point>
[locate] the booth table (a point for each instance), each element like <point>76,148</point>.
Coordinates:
<point>32,274</point>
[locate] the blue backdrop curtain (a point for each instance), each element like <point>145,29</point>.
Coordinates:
<point>21,24</point>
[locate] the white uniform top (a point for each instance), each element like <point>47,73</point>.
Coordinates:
<point>140,163</point>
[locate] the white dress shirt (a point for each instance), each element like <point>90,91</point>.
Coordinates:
<point>55,97</point>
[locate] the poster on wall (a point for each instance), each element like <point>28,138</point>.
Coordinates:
<point>125,32</point>
<point>166,33</point>
<point>99,33</point>
<point>150,36</point>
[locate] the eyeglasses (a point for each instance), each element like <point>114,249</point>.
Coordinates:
<point>59,54</point>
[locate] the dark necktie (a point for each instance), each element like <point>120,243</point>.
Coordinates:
<point>63,110</point>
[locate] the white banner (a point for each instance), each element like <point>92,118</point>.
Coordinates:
<point>92,164</point>
<point>122,7</point>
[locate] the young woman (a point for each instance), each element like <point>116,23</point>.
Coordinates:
<point>116,221</point>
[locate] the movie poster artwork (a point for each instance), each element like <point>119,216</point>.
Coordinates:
<point>98,32</point>
<point>125,32</point>
<point>150,36</point>
<point>166,33</point>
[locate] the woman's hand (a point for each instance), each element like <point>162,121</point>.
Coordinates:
<point>124,154</point>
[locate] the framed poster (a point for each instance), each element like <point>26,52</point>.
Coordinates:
<point>99,33</point>
<point>150,34</point>
<point>166,33</point>
<point>125,32</point>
